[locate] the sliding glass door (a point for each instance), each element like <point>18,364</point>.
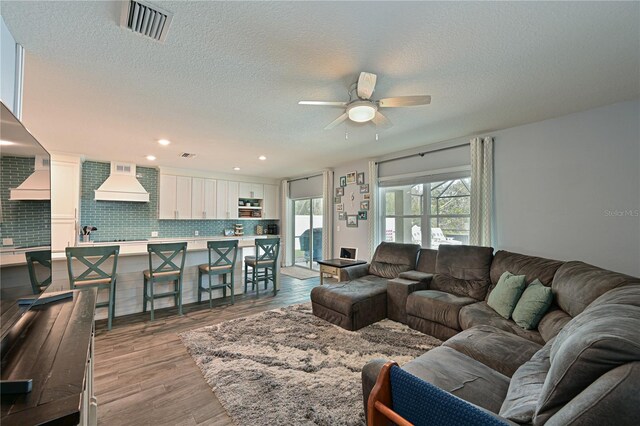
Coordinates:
<point>307,231</point>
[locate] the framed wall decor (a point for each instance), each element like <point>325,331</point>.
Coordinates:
<point>339,192</point>
<point>342,216</point>
<point>337,199</point>
<point>366,196</point>
<point>360,179</point>
<point>339,207</point>
<point>352,221</point>
<point>364,205</point>
<point>362,215</point>
<point>351,178</point>
<point>343,181</point>
<point>364,189</point>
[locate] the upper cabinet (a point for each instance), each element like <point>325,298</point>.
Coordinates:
<point>271,202</point>
<point>65,201</point>
<point>251,190</point>
<point>174,197</point>
<point>203,198</point>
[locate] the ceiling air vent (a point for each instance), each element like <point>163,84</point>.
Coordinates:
<point>145,19</point>
<point>187,155</point>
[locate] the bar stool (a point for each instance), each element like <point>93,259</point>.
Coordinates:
<point>167,271</point>
<point>93,275</point>
<point>222,260</point>
<point>40,259</point>
<point>266,259</point>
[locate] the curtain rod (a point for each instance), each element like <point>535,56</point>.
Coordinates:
<point>304,178</point>
<point>422,154</point>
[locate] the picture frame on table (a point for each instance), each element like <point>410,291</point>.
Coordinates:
<point>364,205</point>
<point>339,207</point>
<point>351,178</point>
<point>342,216</point>
<point>360,178</point>
<point>352,221</point>
<point>362,215</point>
<point>343,181</point>
<point>339,192</point>
<point>337,199</point>
<point>364,189</point>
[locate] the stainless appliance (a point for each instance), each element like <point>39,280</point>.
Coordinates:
<point>273,229</point>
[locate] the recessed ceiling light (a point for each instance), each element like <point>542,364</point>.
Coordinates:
<point>236,168</point>
<point>262,157</point>
<point>151,157</point>
<point>164,142</point>
<point>4,143</point>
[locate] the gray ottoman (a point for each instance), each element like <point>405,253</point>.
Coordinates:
<point>351,305</point>
<point>398,289</point>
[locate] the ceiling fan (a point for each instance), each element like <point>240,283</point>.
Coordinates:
<point>363,108</point>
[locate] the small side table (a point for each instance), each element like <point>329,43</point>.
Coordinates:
<point>333,266</point>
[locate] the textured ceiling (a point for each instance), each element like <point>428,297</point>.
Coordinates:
<point>226,82</point>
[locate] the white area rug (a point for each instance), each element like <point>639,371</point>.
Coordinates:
<point>287,366</point>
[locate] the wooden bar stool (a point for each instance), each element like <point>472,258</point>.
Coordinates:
<point>94,276</point>
<point>40,259</point>
<point>222,261</point>
<point>167,271</point>
<point>266,260</point>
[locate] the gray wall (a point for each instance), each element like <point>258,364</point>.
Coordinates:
<point>569,187</point>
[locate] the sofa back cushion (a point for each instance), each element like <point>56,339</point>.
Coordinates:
<point>577,284</point>
<point>427,260</point>
<point>463,270</point>
<point>531,267</point>
<point>594,342</point>
<point>392,258</point>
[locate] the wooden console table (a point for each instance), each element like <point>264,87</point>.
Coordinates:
<point>333,266</point>
<point>55,350</point>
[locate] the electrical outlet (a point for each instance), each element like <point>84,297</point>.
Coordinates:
<point>154,234</point>
<point>7,241</point>
<point>338,228</point>
<point>197,233</point>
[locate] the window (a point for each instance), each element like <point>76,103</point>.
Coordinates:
<point>441,209</point>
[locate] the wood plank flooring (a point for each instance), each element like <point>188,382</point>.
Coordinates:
<point>145,376</point>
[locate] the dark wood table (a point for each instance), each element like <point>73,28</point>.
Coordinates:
<point>54,350</point>
<point>333,266</point>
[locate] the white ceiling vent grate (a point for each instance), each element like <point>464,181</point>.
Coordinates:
<point>145,19</point>
<point>187,155</point>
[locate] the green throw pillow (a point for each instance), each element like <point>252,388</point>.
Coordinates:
<point>533,304</point>
<point>505,296</point>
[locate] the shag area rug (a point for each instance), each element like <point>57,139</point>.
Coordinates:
<point>287,366</point>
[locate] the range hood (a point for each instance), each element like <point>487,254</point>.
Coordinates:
<point>37,186</point>
<point>122,185</point>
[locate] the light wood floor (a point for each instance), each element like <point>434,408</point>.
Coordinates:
<point>144,374</point>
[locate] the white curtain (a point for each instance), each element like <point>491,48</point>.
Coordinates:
<point>481,191</point>
<point>327,214</point>
<point>374,209</point>
<point>285,225</point>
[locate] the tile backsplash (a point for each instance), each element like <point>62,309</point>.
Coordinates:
<point>28,223</point>
<point>128,220</point>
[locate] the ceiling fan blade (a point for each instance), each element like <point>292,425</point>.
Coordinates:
<point>381,121</point>
<point>366,85</point>
<point>404,101</point>
<point>323,103</point>
<point>337,121</point>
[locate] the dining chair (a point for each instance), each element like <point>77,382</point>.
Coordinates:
<point>265,260</point>
<point>166,271</point>
<point>38,260</point>
<point>222,261</point>
<point>94,273</point>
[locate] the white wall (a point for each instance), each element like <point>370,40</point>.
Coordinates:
<point>7,66</point>
<point>559,182</point>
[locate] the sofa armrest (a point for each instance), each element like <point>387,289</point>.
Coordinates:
<point>398,290</point>
<point>370,373</point>
<point>352,272</point>
<point>422,277</point>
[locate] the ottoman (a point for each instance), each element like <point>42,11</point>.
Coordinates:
<point>398,289</point>
<point>351,305</point>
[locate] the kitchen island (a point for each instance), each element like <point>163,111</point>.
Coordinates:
<point>134,259</point>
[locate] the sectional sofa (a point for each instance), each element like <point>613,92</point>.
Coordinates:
<point>581,365</point>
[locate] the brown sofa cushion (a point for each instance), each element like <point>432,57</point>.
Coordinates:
<point>531,267</point>
<point>342,296</point>
<point>427,260</point>
<point>577,284</point>
<point>392,258</point>
<point>552,322</point>
<point>416,276</point>
<point>463,270</point>
<point>437,306</point>
<point>503,351</point>
<point>481,314</point>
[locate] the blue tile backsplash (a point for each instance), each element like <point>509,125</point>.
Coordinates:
<point>131,221</point>
<point>28,223</point>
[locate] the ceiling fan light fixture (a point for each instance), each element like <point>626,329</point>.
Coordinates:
<point>361,112</point>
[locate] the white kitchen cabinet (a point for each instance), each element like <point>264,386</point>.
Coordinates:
<point>226,199</point>
<point>65,201</point>
<point>203,198</point>
<point>232,200</point>
<point>250,190</point>
<point>270,202</point>
<point>174,197</point>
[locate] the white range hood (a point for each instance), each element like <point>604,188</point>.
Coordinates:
<point>122,185</point>
<point>37,186</point>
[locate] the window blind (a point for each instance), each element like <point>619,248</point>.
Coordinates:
<point>306,188</point>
